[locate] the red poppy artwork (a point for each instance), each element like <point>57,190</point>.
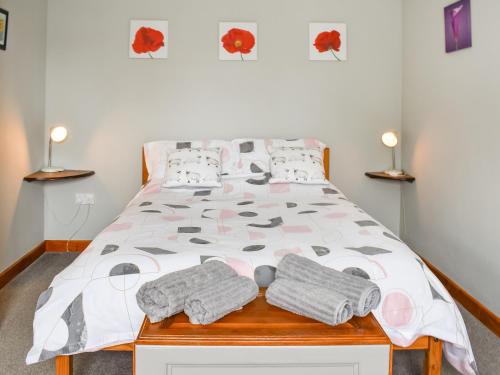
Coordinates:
<point>238,41</point>
<point>148,39</point>
<point>328,41</point>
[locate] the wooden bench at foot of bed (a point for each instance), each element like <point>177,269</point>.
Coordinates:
<point>263,339</point>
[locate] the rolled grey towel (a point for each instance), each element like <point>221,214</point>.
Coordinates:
<point>309,300</point>
<point>363,294</point>
<point>166,296</point>
<point>206,305</point>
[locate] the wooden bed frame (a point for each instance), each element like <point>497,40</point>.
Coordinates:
<point>432,346</point>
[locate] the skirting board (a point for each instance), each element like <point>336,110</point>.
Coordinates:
<point>21,264</point>
<point>476,308</point>
<point>51,246</point>
<point>62,246</point>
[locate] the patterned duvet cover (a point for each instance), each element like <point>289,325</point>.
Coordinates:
<point>249,224</point>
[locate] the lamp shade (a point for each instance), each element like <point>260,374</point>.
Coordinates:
<point>390,139</point>
<point>58,134</point>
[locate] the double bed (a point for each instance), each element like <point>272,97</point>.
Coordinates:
<point>250,225</point>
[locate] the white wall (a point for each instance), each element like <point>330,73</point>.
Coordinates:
<point>112,104</point>
<point>451,137</point>
<point>22,78</point>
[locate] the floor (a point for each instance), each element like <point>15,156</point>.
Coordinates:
<point>18,300</point>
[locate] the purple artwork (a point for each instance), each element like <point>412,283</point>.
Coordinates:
<point>457,21</point>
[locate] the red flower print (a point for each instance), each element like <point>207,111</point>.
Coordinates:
<point>328,41</point>
<point>238,40</point>
<point>148,40</point>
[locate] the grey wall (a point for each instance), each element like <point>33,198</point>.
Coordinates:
<point>112,104</point>
<point>22,77</point>
<point>451,135</point>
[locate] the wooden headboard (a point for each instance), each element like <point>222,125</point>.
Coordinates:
<point>326,162</point>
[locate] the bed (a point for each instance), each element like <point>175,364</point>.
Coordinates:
<point>249,224</point>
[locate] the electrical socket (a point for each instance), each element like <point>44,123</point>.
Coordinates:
<point>81,198</point>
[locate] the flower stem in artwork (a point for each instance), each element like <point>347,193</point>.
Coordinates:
<point>334,55</point>
<point>150,55</point>
<point>242,59</point>
<point>329,41</point>
<point>455,23</point>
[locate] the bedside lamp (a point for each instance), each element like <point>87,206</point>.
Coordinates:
<point>390,139</point>
<point>57,134</point>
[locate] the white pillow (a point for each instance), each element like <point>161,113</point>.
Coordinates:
<point>193,167</point>
<point>298,165</point>
<point>299,142</point>
<point>156,154</point>
<point>254,153</point>
<point>253,157</point>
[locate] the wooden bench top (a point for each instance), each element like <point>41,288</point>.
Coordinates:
<point>261,324</point>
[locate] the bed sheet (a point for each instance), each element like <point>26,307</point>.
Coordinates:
<point>250,225</point>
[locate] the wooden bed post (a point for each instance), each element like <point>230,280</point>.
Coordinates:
<point>326,162</point>
<point>64,365</point>
<point>145,173</point>
<point>433,357</point>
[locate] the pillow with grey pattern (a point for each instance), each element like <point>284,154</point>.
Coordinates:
<point>193,167</point>
<point>297,165</point>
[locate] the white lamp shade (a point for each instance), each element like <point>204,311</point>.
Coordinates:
<point>390,139</point>
<point>58,134</point>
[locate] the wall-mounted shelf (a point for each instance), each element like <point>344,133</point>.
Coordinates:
<point>55,176</point>
<point>385,176</point>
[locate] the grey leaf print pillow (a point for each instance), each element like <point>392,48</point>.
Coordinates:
<point>297,165</point>
<point>194,167</point>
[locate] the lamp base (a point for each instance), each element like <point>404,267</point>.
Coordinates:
<point>52,169</point>
<point>394,172</point>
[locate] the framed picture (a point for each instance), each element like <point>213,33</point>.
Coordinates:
<point>238,41</point>
<point>4,26</point>
<point>148,39</point>
<point>458,31</point>
<point>328,41</point>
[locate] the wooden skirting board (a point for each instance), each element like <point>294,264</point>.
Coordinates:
<point>62,246</point>
<point>21,264</point>
<point>50,246</point>
<point>476,308</point>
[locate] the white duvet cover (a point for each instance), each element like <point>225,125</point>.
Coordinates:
<point>249,224</point>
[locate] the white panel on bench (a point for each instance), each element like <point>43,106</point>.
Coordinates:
<point>262,360</point>
<point>290,369</point>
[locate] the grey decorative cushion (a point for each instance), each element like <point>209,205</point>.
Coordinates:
<point>298,165</point>
<point>156,154</point>
<point>193,167</point>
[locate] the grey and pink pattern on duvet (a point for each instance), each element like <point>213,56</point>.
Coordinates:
<point>250,225</point>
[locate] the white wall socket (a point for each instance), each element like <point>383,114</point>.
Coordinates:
<point>81,198</point>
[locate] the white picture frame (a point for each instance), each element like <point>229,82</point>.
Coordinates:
<point>148,39</point>
<point>238,41</point>
<point>327,41</point>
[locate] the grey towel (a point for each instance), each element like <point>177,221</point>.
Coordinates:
<point>363,294</point>
<point>165,296</point>
<point>309,300</point>
<point>205,306</point>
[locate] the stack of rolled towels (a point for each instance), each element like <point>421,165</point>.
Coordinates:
<point>307,288</point>
<point>206,293</point>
